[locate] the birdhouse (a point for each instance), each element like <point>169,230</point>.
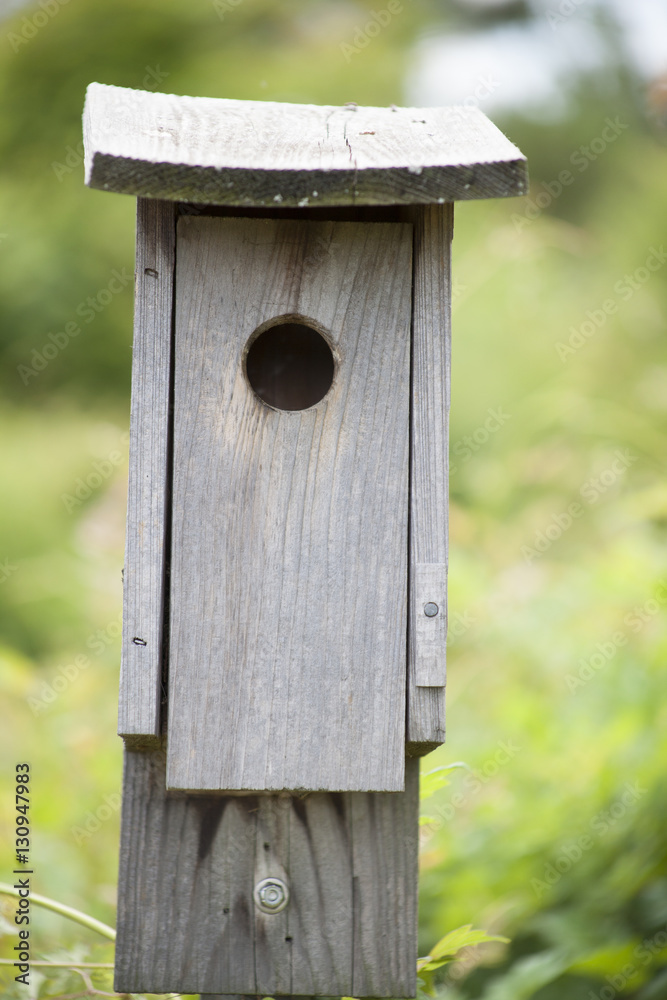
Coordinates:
<point>285,609</point>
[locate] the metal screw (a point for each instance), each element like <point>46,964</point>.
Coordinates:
<point>431,609</point>
<point>271,895</point>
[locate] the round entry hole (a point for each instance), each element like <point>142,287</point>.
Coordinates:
<point>290,366</point>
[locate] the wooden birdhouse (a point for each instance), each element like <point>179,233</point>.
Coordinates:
<point>285,612</point>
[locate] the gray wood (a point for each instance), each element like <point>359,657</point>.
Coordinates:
<point>322,909</point>
<point>188,865</point>
<point>144,578</point>
<point>289,556</point>
<point>185,913</point>
<point>272,855</point>
<point>385,850</point>
<point>431,357</point>
<point>228,152</point>
<point>430,630</point>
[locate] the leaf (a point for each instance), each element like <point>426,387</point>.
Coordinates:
<point>432,781</point>
<point>447,947</point>
<point>527,976</point>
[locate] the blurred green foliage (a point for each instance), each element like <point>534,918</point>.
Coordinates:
<point>554,833</point>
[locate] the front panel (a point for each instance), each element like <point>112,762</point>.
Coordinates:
<point>287,658</point>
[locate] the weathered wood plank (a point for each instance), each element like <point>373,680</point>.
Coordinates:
<point>185,911</point>
<point>289,555</point>
<point>430,624</point>
<point>385,855</point>
<point>227,152</point>
<point>273,966</point>
<point>144,576</point>
<point>321,914</point>
<point>189,864</point>
<point>431,358</point>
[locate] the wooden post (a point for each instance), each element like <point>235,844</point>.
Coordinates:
<point>286,566</point>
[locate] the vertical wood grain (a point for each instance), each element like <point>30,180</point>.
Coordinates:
<point>187,921</point>
<point>384,849</point>
<point>289,556</point>
<point>144,576</point>
<point>273,971</point>
<point>429,470</point>
<point>429,622</point>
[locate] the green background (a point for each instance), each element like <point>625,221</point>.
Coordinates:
<point>553,834</point>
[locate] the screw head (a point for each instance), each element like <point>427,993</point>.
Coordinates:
<point>431,609</point>
<point>271,895</point>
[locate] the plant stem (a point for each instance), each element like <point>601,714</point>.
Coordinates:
<point>63,965</point>
<point>64,911</point>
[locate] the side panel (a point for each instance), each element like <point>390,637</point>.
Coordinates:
<point>144,577</point>
<point>289,561</point>
<point>429,456</point>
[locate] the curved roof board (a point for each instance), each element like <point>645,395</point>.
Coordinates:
<point>264,154</point>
